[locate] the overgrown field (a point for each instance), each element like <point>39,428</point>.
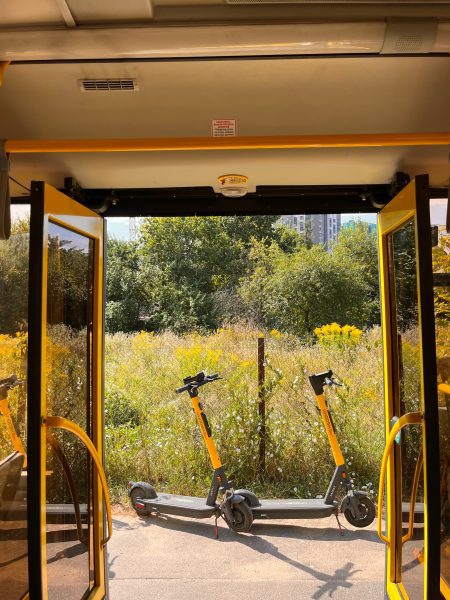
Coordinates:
<point>151,432</point>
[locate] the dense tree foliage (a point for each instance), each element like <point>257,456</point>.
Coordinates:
<point>195,273</point>
<point>193,266</point>
<point>298,292</point>
<point>358,249</point>
<point>124,290</point>
<point>14,278</point>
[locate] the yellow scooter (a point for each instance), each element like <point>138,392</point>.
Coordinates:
<point>358,508</point>
<point>231,506</point>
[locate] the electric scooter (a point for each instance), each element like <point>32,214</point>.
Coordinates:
<point>232,507</point>
<point>357,507</point>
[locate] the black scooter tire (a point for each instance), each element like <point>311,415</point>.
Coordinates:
<point>368,506</point>
<point>242,518</point>
<point>138,494</point>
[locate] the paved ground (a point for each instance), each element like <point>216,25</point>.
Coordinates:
<point>171,558</point>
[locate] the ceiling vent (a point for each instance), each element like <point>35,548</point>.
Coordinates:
<point>108,85</point>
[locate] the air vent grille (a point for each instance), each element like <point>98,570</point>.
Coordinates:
<point>108,85</point>
<point>409,43</point>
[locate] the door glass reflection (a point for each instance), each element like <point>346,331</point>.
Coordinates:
<point>408,398</point>
<point>69,394</point>
<point>14,255</point>
<point>441,276</point>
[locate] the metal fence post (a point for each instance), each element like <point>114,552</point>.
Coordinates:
<point>261,406</point>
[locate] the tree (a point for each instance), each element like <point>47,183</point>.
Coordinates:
<point>192,267</point>
<point>300,291</point>
<point>358,248</point>
<point>14,255</point>
<point>441,264</point>
<point>125,296</point>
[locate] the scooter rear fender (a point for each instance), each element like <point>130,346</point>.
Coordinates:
<point>149,490</point>
<point>250,497</point>
<point>350,501</point>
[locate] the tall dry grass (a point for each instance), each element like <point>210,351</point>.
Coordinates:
<point>152,435</point>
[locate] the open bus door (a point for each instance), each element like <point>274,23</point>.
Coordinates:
<point>67,494</point>
<point>411,460</point>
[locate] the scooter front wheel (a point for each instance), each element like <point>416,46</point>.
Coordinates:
<point>242,518</point>
<point>366,515</point>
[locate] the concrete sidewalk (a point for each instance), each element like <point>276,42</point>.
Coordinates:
<point>172,558</point>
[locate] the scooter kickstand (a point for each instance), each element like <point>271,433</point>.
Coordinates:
<point>217,528</point>
<point>341,529</point>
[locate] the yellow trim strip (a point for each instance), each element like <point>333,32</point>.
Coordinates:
<point>61,423</point>
<point>444,387</point>
<point>407,419</point>
<point>359,140</point>
<point>3,66</point>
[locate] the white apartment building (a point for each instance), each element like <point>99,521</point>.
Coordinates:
<point>321,228</point>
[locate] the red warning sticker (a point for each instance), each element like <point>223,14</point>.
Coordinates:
<point>223,127</point>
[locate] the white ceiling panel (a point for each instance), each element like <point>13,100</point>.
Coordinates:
<point>29,12</point>
<point>263,167</point>
<point>106,11</point>
<point>179,99</point>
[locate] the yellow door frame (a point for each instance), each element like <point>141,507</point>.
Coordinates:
<point>399,211</point>
<point>48,205</point>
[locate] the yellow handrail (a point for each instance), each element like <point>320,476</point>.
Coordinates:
<point>412,418</point>
<point>412,503</point>
<point>61,423</point>
<point>53,442</point>
<point>352,140</point>
<point>15,439</point>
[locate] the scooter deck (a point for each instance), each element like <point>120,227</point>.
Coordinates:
<point>295,508</point>
<point>181,506</point>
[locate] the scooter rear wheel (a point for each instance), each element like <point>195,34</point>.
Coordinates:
<point>138,494</point>
<point>366,508</point>
<point>242,518</point>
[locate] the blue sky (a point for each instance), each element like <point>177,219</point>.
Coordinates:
<point>118,227</point>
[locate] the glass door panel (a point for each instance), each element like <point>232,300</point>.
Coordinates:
<point>14,257</point>
<point>441,283</point>
<point>65,380</point>
<point>412,569</point>
<point>406,348</point>
<point>69,394</point>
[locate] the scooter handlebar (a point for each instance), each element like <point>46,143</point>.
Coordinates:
<point>319,380</point>
<point>10,382</point>
<point>196,381</point>
<point>331,381</point>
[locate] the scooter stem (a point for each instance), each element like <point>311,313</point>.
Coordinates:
<point>206,432</point>
<point>328,424</point>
